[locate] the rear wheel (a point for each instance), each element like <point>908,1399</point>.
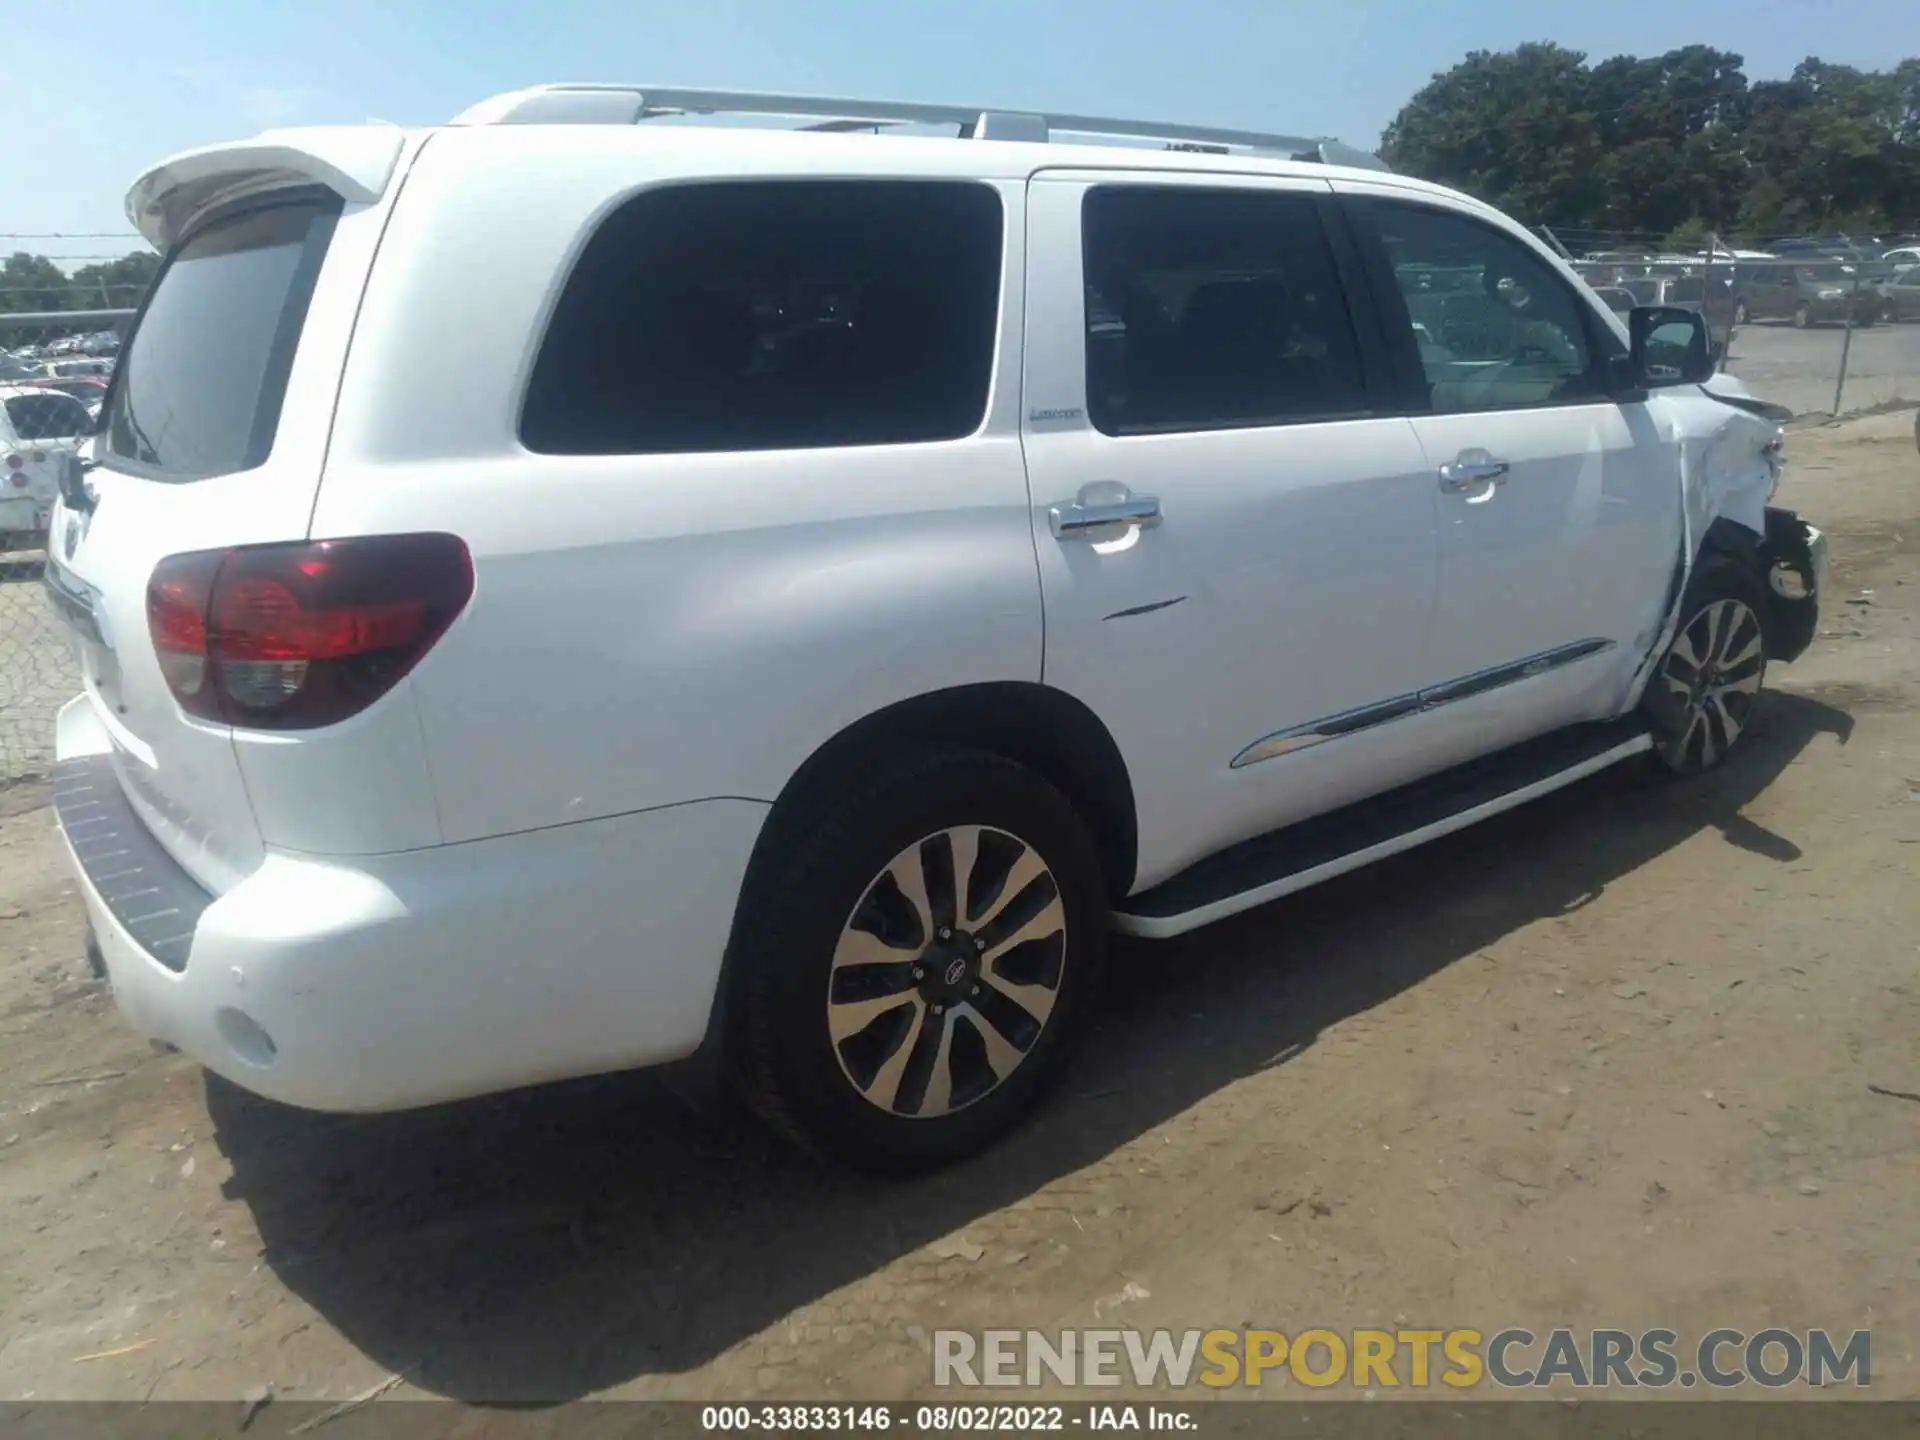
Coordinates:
<point>912,980</point>
<point>1802,316</point>
<point>1740,312</point>
<point>1701,698</point>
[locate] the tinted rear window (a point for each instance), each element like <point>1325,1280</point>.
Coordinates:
<point>1225,311</point>
<point>47,417</point>
<point>774,315</point>
<point>201,379</point>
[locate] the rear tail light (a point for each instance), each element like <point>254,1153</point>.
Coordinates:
<point>290,637</point>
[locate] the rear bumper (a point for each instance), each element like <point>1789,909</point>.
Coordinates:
<point>390,981</point>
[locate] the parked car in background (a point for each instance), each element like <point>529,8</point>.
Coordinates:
<point>1617,298</point>
<point>1900,295</point>
<point>1805,293</point>
<point>1906,258</point>
<point>71,369</point>
<point>1711,295</point>
<point>89,390</point>
<point>38,430</point>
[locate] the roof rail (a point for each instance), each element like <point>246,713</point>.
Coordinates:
<point>631,104</point>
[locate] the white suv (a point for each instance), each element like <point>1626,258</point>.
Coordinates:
<point>557,593</point>
<point>39,429</point>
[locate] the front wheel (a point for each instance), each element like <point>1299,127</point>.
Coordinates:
<point>913,977</point>
<point>1802,316</point>
<point>1701,698</point>
<point>1740,313</point>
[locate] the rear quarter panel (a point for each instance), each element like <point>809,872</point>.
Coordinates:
<point>652,630</point>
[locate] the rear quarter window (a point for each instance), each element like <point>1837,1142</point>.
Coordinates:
<point>769,315</point>
<point>200,382</point>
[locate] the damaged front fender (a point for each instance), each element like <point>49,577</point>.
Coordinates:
<point>1727,446</point>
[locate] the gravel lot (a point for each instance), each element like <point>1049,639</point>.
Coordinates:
<point>1634,1055</point>
<point>37,671</point>
<point>1798,368</point>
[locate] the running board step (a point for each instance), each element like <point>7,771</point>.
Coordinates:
<point>1283,861</point>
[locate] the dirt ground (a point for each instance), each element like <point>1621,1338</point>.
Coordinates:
<point>1621,1058</point>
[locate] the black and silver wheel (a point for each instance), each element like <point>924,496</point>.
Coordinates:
<point>910,982</point>
<point>947,972</point>
<point>1802,316</point>
<point>1702,696</point>
<point>1740,312</point>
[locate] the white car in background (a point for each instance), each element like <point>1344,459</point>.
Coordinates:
<point>39,429</point>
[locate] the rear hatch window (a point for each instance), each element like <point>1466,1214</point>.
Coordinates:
<point>48,416</point>
<point>199,387</point>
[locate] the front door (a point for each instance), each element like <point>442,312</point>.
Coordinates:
<point>1235,533</point>
<point>1559,505</point>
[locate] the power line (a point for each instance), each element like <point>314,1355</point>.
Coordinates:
<point>72,235</point>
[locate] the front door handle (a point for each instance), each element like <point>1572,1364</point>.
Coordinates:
<point>1473,468</point>
<point>1079,517</point>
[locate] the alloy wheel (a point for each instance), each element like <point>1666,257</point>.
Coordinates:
<point>947,971</point>
<point>1711,680</point>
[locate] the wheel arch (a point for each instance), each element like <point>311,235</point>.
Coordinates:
<point>1035,725</point>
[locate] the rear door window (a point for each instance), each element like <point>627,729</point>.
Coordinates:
<point>47,417</point>
<point>1211,309</point>
<point>770,315</point>
<point>202,378</point>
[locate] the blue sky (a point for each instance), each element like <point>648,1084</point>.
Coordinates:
<point>120,83</point>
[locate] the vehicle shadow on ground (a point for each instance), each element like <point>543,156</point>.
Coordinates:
<point>541,1246</point>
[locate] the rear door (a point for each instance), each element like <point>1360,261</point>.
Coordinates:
<point>1235,531</point>
<point>212,436</point>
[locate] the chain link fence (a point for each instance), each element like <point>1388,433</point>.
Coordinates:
<point>54,369</point>
<point>1827,325</point>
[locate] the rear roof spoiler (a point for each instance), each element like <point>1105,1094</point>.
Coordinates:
<point>356,162</point>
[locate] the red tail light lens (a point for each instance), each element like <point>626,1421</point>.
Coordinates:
<point>291,637</point>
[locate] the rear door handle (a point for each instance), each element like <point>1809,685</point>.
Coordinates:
<point>1078,518</point>
<point>1470,470</point>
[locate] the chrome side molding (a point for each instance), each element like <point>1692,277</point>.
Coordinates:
<point>1351,722</point>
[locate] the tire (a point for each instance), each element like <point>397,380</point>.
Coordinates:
<point>1802,316</point>
<point>1700,702</point>
<point>816,1046</point>
<point>1740,312</point>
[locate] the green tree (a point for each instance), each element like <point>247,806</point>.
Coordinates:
<point>1670,143</point>
<point>32,282</point>
<point>116,284</point>
<point>1511,125</point>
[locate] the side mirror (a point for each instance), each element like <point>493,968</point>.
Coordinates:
<point>1669,346</point>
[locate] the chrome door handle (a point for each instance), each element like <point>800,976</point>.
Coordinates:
<point>1464,474</point>
<point>1077,519</point>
